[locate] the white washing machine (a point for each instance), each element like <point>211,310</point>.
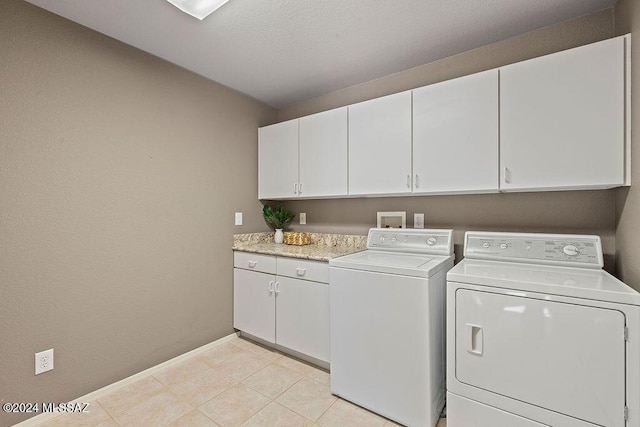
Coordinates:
<point>539,335</point>
<point>387,324</point>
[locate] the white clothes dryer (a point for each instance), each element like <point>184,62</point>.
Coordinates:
<point>387,324</point>
<point>539,335</point>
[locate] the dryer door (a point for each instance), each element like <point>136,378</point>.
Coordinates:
<point>564,357</point>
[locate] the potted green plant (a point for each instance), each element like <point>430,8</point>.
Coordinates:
<point>277,219</point>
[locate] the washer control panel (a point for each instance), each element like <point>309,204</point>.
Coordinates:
<point>556,249</point>
<point>411,240</point>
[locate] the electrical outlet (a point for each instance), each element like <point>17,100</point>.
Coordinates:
<point>44,361</point>
<point>238,218</point>
<point>418,220</point>
<point>303,218</point>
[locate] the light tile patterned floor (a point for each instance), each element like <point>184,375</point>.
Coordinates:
<point>236,383</point>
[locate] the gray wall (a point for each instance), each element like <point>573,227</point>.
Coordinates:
<point>561,212</point>
<point>119,176</point>
<point>627,19</point>
<point>587,29</point>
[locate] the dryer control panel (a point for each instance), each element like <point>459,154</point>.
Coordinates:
<point>568,250</point>
<point>423,241</point>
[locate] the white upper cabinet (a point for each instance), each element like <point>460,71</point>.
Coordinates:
<point>455,135</point>
<point>278,161</point>
<point>323,154</point>
<point>562,119</point>
<point>380,145</point>
<point>556,122</point>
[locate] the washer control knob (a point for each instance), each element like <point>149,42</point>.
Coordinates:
<point>381,239</point>
<point>570,250</point>
<point>394,238</point>
<point>486,244</point>
<point>431,241</point>
<point>503,246</point>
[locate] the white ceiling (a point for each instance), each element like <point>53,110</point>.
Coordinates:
<point>285,51</point>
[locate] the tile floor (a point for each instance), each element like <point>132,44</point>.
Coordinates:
<point>235,383</point>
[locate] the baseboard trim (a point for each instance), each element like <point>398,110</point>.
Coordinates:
<point>320,363</point>
<point>39,419</point>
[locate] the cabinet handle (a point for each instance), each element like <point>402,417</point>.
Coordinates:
<point>301,271</point>
<point>417,183</point>
<point>300,188</point>
<point>408,180</point>
<point>507,175</point>
<point>277,288</point>
<point>295,188</point>
<point>271,286</point>
<point>252,264</point>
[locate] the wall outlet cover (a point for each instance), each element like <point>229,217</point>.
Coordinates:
<point>238,218</point>
<point>44,361</point>
<point>418,220</point>
<point>303,218</point>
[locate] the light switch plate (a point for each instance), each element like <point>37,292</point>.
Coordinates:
<point>238,218</point>
<point>418,220</point>
<point>303,218</point>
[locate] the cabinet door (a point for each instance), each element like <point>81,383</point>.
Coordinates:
<point>278,161</point>
<point>254,303</point>
<point>380,145</point>
<point>302,317</point>
<point>562,119</point>
<point>455,135</point>
<point>323,154</point>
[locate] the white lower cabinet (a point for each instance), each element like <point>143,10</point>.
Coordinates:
<point>254,309</point>
<point>283,308</point>
<point>302,317</point>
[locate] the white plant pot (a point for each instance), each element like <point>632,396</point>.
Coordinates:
<point>279,236</point>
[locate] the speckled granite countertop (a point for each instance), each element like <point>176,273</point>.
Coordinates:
<point>323,247</point>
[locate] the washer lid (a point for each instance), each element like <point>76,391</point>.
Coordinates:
<point>565,281</point>
<point>392,263</point>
